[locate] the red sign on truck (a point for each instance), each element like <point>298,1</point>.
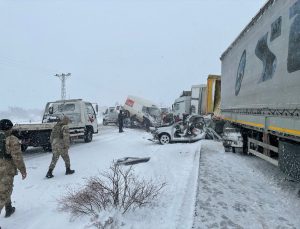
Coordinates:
<point>129,102</point>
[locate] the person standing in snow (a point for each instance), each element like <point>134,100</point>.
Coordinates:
<point>120,121</point>
<point>11,160</point>
<point>60,143</point>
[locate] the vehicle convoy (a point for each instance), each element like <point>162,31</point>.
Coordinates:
<point>202,99</point>
<point>83,123</point>
<point>261,85</point>
<point>141,112</point>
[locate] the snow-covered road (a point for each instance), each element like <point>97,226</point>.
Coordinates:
<point>226,191</point>
<point>237,191</point>
<point>36,197</point>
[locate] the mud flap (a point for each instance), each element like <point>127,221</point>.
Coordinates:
<point>289,159</point>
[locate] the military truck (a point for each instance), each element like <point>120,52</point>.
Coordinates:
<point>261,85</point>
<point>83,123</point>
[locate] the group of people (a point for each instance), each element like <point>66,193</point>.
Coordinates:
<point>11,158</point>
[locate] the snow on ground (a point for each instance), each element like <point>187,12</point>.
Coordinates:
<point>226,191</point>
<point>36,197</point>
<point>237,191</point>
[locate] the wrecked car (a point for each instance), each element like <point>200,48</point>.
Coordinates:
<point>190,130</point>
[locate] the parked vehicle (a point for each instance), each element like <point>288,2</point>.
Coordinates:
<point>189,131</point>
<point>111,115</point>
<point>260,85</point>
<point>81,114</point>
<point>142,112</point>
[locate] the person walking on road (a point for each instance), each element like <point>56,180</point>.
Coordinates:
<point>11,160</point>
<point>120,121</point>
<point>60,143</point>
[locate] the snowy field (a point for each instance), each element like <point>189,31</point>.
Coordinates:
<point>231,191</point>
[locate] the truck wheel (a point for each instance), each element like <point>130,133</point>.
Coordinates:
<point>88,137</point>
<point>164,139</point>
<point>24,147</point>
<point>47,148</point>
<point>104,123</point>
<point>233,149</point>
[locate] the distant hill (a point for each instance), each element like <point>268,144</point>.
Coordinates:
<point>21,115</point>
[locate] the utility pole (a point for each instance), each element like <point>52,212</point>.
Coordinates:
<point>63,78</point>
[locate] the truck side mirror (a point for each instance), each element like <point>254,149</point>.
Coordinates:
<point>97,108</point>
<point>50,110</point>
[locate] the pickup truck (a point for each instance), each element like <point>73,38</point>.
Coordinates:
<point>83,123</point>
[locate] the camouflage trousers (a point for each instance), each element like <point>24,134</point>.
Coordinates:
<point>57,151</point>
<point>6,188</point>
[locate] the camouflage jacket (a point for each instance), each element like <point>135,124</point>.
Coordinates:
<point>13,147</point>
<point>60,136</point>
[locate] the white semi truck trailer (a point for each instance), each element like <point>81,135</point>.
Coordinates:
<point>261,85</point>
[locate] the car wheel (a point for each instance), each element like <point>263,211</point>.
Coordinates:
<point>164,139</point>
<point>88,137</point>
<point>104,123</point>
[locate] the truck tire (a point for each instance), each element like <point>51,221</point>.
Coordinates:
<point>88,136</point>
<point>24,147</point>
<point>164,139</point>
<point>104,123</point>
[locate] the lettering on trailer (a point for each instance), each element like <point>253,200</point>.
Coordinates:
<point>129,102</point>
<point>268,59</point>
<point>293,60</point>
<point>240,73</point>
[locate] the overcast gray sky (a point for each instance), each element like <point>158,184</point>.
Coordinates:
<point>150,48</point>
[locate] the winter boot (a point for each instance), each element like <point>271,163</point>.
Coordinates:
<point>69,171</point>
<point>49,173</point>
<point>9,210</point>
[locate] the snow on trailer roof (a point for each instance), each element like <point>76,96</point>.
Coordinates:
<point>67,100</point>
<point>248,27</point>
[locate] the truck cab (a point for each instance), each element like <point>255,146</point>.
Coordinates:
<point>83,123</point>
<point>83,118</point>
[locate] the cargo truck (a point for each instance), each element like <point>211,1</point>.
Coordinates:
<point>182,105</point>
<point>140,112</point>
<point>261,85</point>
<point>83,123</point>
<point>198,99</point>
<point>213,95</point>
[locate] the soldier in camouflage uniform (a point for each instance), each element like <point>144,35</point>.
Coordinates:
<point>60,143</point>
<point>11,160</point>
